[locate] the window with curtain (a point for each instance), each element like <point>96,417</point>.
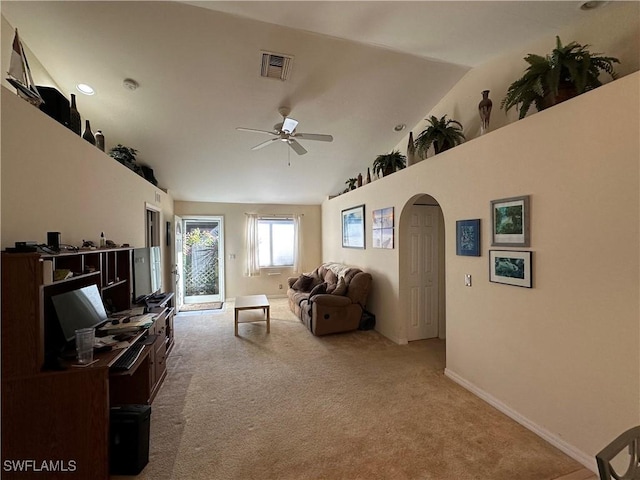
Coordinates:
<point>273,241</point>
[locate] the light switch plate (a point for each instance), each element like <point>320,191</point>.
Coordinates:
<point>467,280</point>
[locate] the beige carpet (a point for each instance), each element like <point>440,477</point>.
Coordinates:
<point>289,405</point>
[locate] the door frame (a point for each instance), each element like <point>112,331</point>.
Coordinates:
<point>178,277</point>
<point>403,247</point>
<point>221,255</point>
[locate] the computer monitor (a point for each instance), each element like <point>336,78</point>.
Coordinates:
<point>81,308</point>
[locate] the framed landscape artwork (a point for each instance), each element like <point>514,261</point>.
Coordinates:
<point>510,219</point>
<point>468,238</point>
<point>353,227</point>
<point>510,267</point>
<point>383,224</point>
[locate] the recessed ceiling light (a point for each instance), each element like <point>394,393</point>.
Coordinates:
<point>86,89</point>
<point>399,127</point>
<point>590,5</point>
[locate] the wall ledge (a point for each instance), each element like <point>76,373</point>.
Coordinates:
<point>578,455</point>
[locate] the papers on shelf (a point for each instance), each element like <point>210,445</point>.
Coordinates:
<point>135,323</point>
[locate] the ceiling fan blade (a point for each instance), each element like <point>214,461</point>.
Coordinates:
<point>264,144</point>
<point>242,129</point>
<point>299,149</point>
<point>315,136</point>
<point>289,125</point>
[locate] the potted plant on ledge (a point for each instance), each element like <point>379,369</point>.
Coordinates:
<point>351,184</point>
<point>442,133</point>
<point>568,71</point>
<point>388,163</point>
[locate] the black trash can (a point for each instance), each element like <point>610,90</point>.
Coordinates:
<point>129,439</point>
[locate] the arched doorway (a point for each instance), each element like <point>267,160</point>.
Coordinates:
<point>422,269</point>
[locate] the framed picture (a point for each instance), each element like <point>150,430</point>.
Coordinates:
<point>468,237</point>
<point>510,267</point>
<point>353,227</point>
<point>510,222</point>
<point>383,228</point>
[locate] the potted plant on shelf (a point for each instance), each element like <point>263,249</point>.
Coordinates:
<point>126,156</point>
<point>388,163</point>
<point>442,133</point>
<point>568,71</point>
<point>351,184</point>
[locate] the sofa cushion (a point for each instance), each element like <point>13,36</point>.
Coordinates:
<point>318,289</point>
<point>331,287</point>
<point>303,284</point>
<point>341,287</point>
<point>330,278</point>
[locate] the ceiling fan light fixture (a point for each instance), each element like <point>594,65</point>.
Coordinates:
<point>289,125</point>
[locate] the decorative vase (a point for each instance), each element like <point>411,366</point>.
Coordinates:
<point>87,134</point>
<point>484,108</point>
<point>359,180</point>
<point>75,124</point>
<point>100,140</point>
<point>411,151</point>
<point>368,176</point>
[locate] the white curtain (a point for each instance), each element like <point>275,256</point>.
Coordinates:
<point>253,264</point>
<point>297,243</point>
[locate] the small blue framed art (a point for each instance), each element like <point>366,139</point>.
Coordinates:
<point>468,237</point>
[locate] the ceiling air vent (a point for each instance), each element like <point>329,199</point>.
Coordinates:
<point>276,65</point>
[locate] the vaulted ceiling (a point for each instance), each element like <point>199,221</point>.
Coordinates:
<point>359,68</point>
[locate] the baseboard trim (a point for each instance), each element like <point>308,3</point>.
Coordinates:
<point>578,455</point>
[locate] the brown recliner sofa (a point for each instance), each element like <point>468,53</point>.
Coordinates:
<point>330,299</point>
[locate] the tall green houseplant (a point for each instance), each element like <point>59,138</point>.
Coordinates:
<point>568,71</point>
<point>442,133</point>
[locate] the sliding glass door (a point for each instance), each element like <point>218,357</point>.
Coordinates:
<point>203,259</point>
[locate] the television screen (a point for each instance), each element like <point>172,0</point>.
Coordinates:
<point>82,308</point>
<point>147,272</point>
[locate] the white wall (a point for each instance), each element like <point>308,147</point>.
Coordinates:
<point>562,358</point>
<point>565,354</point>
<point>236,283</point>
<point>53,180</point>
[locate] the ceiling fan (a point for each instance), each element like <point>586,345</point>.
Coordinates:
<point>286,132</point>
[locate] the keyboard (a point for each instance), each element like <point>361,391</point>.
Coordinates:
<point>128,358</point>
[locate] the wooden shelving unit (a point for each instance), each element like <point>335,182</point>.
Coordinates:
<point>52,410</point>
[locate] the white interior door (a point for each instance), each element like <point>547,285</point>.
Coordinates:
<point>179,262</point>
<point>423,273</point>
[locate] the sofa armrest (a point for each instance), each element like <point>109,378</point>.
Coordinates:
<point>329,300</point>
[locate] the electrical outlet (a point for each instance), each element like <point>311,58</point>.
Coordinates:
<point>467,280</point>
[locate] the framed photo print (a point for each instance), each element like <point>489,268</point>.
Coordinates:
<point>353,227</point>
<point>468,238</point>
<point>510,267</point>
<point>383,224</point>
<point>510,222</point>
